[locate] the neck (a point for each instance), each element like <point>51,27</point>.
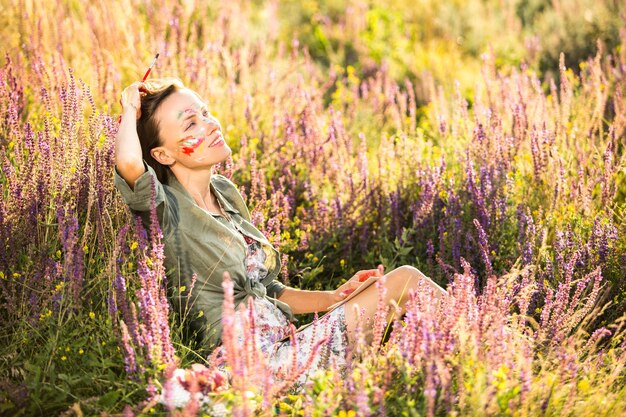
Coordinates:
<point>197,183</point>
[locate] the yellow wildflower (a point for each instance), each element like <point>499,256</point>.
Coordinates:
<point>583,385</point>
<point>47,313</point>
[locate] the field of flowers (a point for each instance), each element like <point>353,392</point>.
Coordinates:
<point>480,141</point>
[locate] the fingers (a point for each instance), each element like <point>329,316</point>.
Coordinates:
<point>143,90</point>
<point>132,87</point>
<point>347,292</point>
<point>135,89</point>
<point>131,96</point>
<point>367,273</point>
<point>359,277</point>
<point>349,287</point>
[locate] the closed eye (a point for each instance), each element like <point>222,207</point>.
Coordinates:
<point>205,113</point>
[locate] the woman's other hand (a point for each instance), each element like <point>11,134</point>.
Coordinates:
<point>355,282</point>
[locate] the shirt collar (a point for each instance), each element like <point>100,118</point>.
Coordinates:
<point>174,183</point>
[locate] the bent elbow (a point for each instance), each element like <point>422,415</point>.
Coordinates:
<point>130,170</point>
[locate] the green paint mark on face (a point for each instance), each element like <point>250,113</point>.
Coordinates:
<point>186,111</point>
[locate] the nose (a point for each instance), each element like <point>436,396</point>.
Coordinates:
<point>212,127</point>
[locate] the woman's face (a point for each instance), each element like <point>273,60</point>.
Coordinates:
<point>190,135</point>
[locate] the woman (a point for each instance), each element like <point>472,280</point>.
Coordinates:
<point>166,148</point>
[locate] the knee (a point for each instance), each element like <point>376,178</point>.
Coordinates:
<point>419,279</point>
<point>410,272</point>
<point>403,275</point>
<point>412,275</point>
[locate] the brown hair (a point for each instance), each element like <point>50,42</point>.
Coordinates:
<point>157,90</point>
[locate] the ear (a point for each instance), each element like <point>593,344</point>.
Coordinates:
<point>162,156</point>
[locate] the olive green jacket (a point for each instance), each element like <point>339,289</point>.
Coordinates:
<point>205,244</point>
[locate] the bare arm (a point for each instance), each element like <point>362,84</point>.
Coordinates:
<point>128,156</point>
<point>303,301</point>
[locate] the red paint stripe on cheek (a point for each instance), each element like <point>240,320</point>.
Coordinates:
<point>189,148</point>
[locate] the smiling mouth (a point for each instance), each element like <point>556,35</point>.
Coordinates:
<point>217,138</point>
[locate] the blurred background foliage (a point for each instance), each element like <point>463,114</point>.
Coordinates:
<point>447,38</point>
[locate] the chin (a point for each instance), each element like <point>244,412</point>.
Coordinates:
<point>216,159</point>
<point>227,153</point>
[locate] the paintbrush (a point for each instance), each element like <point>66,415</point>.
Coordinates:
<point>145,76</point>
<point>150,67</point>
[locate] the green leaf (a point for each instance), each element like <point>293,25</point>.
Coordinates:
<point>109,399</point>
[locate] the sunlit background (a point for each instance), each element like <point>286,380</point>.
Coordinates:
<point>480,141</point>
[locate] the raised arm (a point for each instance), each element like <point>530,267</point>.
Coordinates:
<point>128,156</point>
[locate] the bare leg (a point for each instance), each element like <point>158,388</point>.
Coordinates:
<point>398,282</point>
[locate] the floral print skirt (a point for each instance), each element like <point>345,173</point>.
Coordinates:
<point>328,331</point>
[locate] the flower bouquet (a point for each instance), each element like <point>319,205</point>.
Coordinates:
<point>194,388</point>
